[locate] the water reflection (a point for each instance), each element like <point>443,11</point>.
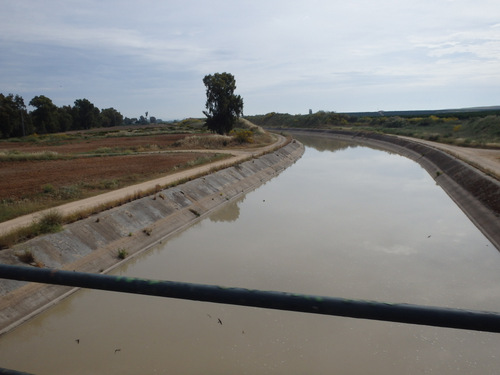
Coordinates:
<point>229,212</point>
<point>355,223</point>
<point>326,143</point>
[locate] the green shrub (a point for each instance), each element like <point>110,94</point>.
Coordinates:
<point>70,192</point>
<point>122,253</point>
<point>48,188</point>
<point>50,222</point>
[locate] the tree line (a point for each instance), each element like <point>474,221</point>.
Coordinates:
<point>403,119</point>
<point>480,128</point>
<point>17,121</point>
<point>223,109</point>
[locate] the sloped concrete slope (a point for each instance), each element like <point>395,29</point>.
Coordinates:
<point>92,245</point>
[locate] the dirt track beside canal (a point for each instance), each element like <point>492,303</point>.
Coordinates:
<point>92,245</point>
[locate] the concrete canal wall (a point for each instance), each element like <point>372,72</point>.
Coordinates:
<point>92,244</point>
<point>475,192</point>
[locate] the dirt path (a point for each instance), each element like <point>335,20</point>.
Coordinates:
<point>91,245</point>
<point>69,208</point>
<point>485,160</point>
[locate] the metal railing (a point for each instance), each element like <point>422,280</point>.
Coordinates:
<point>401,313</point>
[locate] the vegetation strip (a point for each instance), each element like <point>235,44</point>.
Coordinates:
<point>469,127</point>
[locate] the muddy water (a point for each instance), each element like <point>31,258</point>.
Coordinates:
<point>344,221</point>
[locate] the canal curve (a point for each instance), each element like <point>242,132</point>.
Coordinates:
<point>346,221</point>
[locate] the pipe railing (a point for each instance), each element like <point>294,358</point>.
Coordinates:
<point>400,313</point>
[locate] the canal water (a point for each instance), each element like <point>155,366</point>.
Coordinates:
<point>344,221</point>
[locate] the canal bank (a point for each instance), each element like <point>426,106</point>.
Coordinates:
<point>474,191</point>
<point>344,221</point>
<point>94,245</point>
<point>98,243</point>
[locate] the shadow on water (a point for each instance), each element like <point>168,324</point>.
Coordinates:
<point>229,212</point>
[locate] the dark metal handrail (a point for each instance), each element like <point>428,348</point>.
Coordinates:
<point>401,313</point>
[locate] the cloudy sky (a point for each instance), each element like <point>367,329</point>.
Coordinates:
<point>287,56</point>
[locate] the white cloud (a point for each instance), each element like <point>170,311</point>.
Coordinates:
<point>332,55</point>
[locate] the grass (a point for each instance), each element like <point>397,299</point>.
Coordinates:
<point>99,133</point>
<point>211,141</point>
<point>50,222</point>
<point>14,155</point>
<point>122,253</point>
<point>26,256</point>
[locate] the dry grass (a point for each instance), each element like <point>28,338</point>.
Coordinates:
<point>26,256</point>
<point>210,141</point>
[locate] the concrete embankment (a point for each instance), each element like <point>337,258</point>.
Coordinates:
<point>475,192</point>
<point>92,245</point>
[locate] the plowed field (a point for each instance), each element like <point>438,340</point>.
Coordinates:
<point>26,178</point>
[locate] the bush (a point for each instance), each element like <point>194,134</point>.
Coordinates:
<point>50,222</point>
<point>26,257</point>
<point>48,188</point>
<point>122,253</point>
<point>242,135</point>
<point>204,141</point>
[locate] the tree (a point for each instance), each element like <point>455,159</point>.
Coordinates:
<point>85,114</point>
<point>45,115</point>
<point>223,107</point>
<point>128,121</point>
<point>111,117</point>
<point>14,119</point>
<point>65,118</point>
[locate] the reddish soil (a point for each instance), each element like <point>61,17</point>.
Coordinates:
<point>24,178</point>
<point>82,145</point>
<point>18,179</point>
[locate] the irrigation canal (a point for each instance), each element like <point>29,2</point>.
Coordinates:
<point>345,221</point>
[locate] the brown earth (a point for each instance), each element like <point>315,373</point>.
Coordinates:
<point>25,178</point>
<point>152,162</point>
<point>75,146</point>
<point>19,179</point>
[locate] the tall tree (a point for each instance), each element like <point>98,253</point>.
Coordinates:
<point>223,106</point>
<point>65,118</point>
<point>45,115</point>
<point>85,114</point>
<point>14,119</point>
<point>111,117</point>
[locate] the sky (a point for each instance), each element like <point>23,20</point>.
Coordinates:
<point>286,56</point>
